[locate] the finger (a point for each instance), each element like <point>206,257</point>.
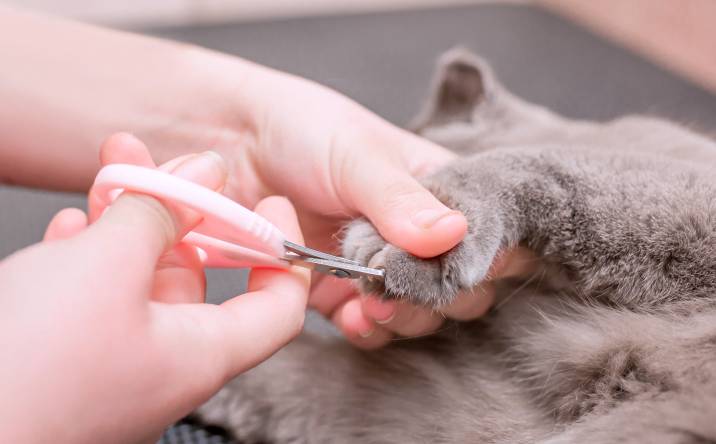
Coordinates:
<point>420,155</point>
<point>118,148</point>
<point>410,320</point>
<point>273,311</point>
<point>179,273</point>
<point>379,310</point>
<point>209,344</point>
<point>281,212</point>
<point>170,165</point>
<point>138,229</point>
<point>339,301</point>
<point>358,329</point>
<point>514,262</point>
<point>125,148</point>
<point>471,304</point>
<point>65,224</point>
<point>329,292</point>
<point>405,213</point>
<point>207,169</point>
<point>349,318</point>
<point>179,276</point>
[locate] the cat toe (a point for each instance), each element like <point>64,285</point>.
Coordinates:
<point>432,282</point>
<point>419,281</point>
<point>361,241</point>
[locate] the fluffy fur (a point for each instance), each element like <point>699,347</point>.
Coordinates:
<point>613,340</point>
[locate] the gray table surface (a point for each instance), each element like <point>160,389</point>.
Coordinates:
<point>384,61</point>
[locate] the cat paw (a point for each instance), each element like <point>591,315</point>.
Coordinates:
<point>432,282</point>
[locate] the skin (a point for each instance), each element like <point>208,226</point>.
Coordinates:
<point>118,314</point>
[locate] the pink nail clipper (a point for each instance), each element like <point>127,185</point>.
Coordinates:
<point>229,235</point>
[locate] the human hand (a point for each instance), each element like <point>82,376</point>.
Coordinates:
<point>103,331</point>
<point>335,161</point>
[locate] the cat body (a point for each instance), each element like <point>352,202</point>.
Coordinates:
<point>613,339</point>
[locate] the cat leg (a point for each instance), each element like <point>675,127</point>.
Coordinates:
<point>627,229</point>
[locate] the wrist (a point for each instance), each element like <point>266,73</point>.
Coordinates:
<point>235,97</point>
<point>60,105</point>
<point>196,107</point>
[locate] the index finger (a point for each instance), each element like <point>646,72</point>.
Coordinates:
<point>273,311</point>
<point>228,339</point>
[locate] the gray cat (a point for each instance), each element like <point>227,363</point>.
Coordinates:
<point>613,340</point>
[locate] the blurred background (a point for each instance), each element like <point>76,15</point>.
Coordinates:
<point>140,13</point>
<point>677,34</point>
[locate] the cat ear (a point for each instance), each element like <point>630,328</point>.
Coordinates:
<point>462,82</point>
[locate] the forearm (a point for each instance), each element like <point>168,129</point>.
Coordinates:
<point>65,86</point>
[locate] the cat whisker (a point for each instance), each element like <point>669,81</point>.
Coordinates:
<point>517,290</point>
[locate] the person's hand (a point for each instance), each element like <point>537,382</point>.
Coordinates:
<point>103,333</point>
<point>335,161</point>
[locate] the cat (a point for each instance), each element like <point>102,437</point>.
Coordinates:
<point>613,339</point>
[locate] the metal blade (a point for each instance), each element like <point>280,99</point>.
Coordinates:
<point>310,252</point>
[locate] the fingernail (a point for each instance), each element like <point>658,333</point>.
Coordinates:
<point>379,310</point>
<point>425,219</point>
<point>208,169</point>
<point>386,320</point>
<point>366,333</point>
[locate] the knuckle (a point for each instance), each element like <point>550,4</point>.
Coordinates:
<point>399,194</point>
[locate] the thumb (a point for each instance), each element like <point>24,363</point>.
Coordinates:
<point>405,213</point>
<point>137,229</point>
